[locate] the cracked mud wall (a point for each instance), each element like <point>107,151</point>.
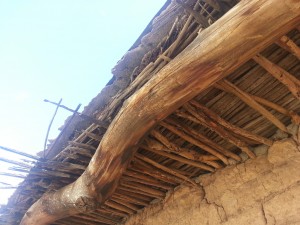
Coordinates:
<point>264,190</point>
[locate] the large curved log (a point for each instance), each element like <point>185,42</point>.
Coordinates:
<point>216,52</point>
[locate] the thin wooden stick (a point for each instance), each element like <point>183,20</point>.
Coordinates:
<point>139,191</point>
<point>180,159</point>
<point>12,175</point>
<point>9,187</point>
<point>23,165</point>
<point>120,207</point>
<point>286,43</point>
<point>206,121</point>
<point>50,124</point>
<point>106,215</point>
<point>232,128</point>
<point>82,145</point>
<point>142,167</point>
<point>137,177</point>
<point>295,117</point>
<point>65,126</point>
<point>166,169</point>
<point>130,199</point>
<point>184,152</point>
<point>199,136</point>
<point>134,195</point>
<point>252,103</point>
<point>114,211</point>
<point>153,183</point>
<point>83,116</point>
<point>144,188</point>
<point>92,135</point>
<point>19,153</point>
<point>195,142</point>
<point>287,79</point>
<point>125,203</point>
<point>180,36</point>
<point>97,219</point>
<point>198,17</point>
<point>214,164</point>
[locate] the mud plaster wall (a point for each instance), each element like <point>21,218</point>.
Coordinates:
<point>265,190</point>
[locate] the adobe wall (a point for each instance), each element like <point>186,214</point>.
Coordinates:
<point>265,190</point>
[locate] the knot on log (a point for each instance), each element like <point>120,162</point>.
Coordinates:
<point>86,204</point>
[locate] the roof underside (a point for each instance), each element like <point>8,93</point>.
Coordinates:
<point>219,127</point>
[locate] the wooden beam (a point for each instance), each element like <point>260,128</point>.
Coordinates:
<point>286,43</point>
<point>180,159</point>
<point>214,54</point>
<point>142,167</point>
<point>127,197</point>
<point>164,168</point>
<point>184,152</point>
<point>206,121</point>
<point>97,219</point>
<point>145,188</point>
<point>198,17</point>
<point>198,136</point>
<point>196,142</point>
<point>92,135</point>
<point>294,116</point>
<point>287,79</point>
<point>230,127</point>
<point>113,211</point>
<point>149,182</point>
<point>139,191</point>
<point>82,145</point>
<point>119,207</point>
<point>125,203</point>
<point>245,97</point>
<point>134,194</point>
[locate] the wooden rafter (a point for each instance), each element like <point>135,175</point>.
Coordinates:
<point>196,142</point>
<point>230,127</point>
<point>206,121</point>
<point>252,103</point>
<point>288,44</point>
<point>164,168</point>
<point>291,82</point>
<point>294,116</point>
<point>197,135</point>
<point>180,159</point>
<point>184,152</point>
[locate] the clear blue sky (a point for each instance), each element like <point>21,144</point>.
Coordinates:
<point>58,49</point>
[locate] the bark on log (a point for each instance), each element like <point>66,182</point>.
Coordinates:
<point>216,52</point>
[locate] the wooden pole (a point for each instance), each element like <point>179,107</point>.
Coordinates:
<point>287,79</point>
<point>19,153</point>
<point>50,124</point>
